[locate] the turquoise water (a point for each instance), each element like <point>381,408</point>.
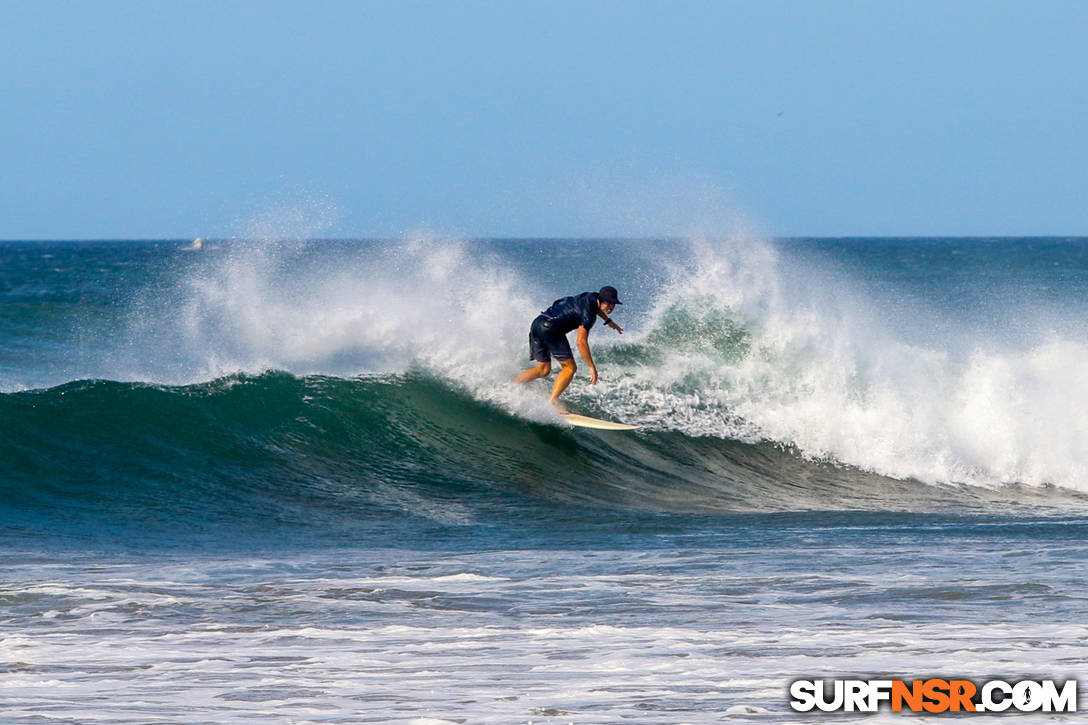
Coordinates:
<point>288,481</point>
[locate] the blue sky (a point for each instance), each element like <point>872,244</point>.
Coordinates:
<point>155,119</point>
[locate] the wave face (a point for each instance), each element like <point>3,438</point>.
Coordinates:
<point>365,383</point>
<point>363,456</point>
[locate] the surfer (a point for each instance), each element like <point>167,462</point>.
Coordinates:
<point>548,336</point>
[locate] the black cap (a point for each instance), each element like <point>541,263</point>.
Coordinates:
<point>609,294</point>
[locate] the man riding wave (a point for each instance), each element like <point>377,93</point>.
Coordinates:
<point>548,336</point>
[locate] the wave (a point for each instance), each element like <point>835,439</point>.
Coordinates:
<point>750,345</point>
<point>278,449</point>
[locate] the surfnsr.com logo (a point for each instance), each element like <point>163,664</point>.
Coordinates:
<point>933,695</point>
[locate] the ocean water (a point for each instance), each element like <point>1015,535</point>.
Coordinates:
<point>288,480</point>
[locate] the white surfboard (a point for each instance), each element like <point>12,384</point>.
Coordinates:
<point>584,421</point>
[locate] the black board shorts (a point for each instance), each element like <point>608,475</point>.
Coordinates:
<point>546,342</point>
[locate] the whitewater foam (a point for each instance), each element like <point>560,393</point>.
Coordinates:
<point>380,307</point>
<point>384,634</point>
<point>745,346</point>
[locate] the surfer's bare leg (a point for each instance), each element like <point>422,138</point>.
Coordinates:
<point>542,370</point>
<point>563,379</point>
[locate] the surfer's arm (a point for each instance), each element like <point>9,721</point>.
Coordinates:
<point>583,348</point>
<point>609,322</point>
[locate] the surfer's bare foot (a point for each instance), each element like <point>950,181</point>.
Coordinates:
<point>560,407</point>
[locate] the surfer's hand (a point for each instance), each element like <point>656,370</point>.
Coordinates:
<point>593,375</point>
<point>614,326</point>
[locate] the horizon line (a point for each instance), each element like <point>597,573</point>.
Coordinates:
<point>564,238</point>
